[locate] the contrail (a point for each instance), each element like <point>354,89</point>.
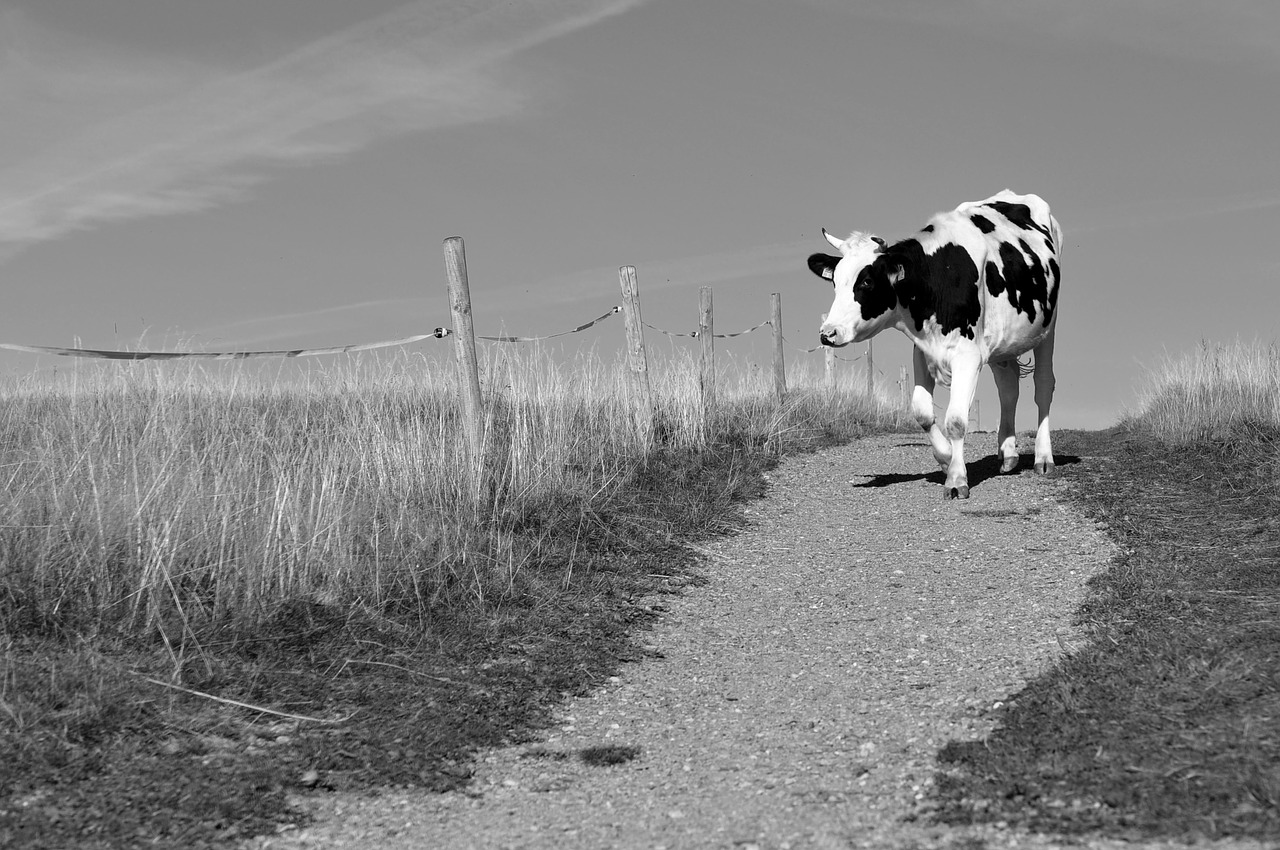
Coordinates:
<point>426,65</point>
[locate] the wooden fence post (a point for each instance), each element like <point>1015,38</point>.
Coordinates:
<point>871,371</point>
<point>904,387</point>
<point>829,364</point>
<point>779,367</point>
<point>707,336</point>
<point>464,342</point>
<point>641,392</point>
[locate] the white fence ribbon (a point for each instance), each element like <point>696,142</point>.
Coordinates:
<point>578,329</point>
<point>102,354</point>
<point>820,347</point>
<point>694,334</point>
<point>740,333</point>
<point>438,333</point>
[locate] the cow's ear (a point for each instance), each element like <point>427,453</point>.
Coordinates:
<point>895,272</point>
<point>823,265</point>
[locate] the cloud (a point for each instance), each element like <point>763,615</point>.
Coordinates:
<point>93,135</point>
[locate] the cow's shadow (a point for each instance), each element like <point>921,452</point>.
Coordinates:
<point>979,471</point>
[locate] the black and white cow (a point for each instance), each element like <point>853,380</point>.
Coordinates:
<point>978,285</point>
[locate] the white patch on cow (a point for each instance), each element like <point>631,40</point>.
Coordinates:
<point>857,252</point>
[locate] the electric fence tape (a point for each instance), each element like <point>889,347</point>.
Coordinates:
<point>820,347</point>
<point>694,334</point>
<point>101,354</point>
<point>438,333</point>
<point>578,329</point>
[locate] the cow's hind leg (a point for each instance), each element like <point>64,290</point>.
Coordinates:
<point>965,366</point>
<point>922,409</point>
<point>1006,375</point>
<point>1044,398</point>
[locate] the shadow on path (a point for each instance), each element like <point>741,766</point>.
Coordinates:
<point>979,471</point>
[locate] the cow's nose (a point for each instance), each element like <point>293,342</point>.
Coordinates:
<point>826,338</point>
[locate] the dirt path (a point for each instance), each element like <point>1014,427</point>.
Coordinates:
<point>800,698</point>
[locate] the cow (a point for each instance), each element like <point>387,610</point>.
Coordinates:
<point>977,285</point>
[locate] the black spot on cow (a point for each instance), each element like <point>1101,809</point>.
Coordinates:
<point>1019,215</point>
<point>1024,282</point>
<point>982,223</point>
<point>942,285</point>
<point>873,291</point>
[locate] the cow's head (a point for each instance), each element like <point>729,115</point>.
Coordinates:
<point>863,277</point>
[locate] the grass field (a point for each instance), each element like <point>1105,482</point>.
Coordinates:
<point>1167,722</point>
<point>318,550</point>
<point>174,539</point>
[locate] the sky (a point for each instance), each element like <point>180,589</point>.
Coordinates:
<point>255,174</point>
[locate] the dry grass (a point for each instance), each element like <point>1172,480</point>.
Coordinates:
<point>1211,393</point>
<point>319,547</point>
<point>167,502</point>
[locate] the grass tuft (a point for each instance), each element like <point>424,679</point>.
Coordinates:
<point>607,756</point>
<point>1215,394</point>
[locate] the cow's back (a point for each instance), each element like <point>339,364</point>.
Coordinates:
<point>1020,271</point>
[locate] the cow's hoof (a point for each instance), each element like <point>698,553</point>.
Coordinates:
<point>1008,465</point>
<point>1044,467</point>
<point>960,492</point>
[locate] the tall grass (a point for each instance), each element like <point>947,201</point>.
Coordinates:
<point>172,502</point>
<point>1212,393</point>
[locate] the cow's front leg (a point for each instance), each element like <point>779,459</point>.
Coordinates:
<point>964,382</point>
<point>922,409</point>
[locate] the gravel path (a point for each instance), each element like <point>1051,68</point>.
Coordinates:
<point>799,699</point>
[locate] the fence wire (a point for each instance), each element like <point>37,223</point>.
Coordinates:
<point>820,347</point>
<point>438,333</point>
<point>695,334</point>
<point>578,329</point>
<point>104,354</point>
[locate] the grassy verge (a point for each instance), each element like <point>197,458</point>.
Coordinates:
<point>1167,723</point>
<point>216,590</point>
